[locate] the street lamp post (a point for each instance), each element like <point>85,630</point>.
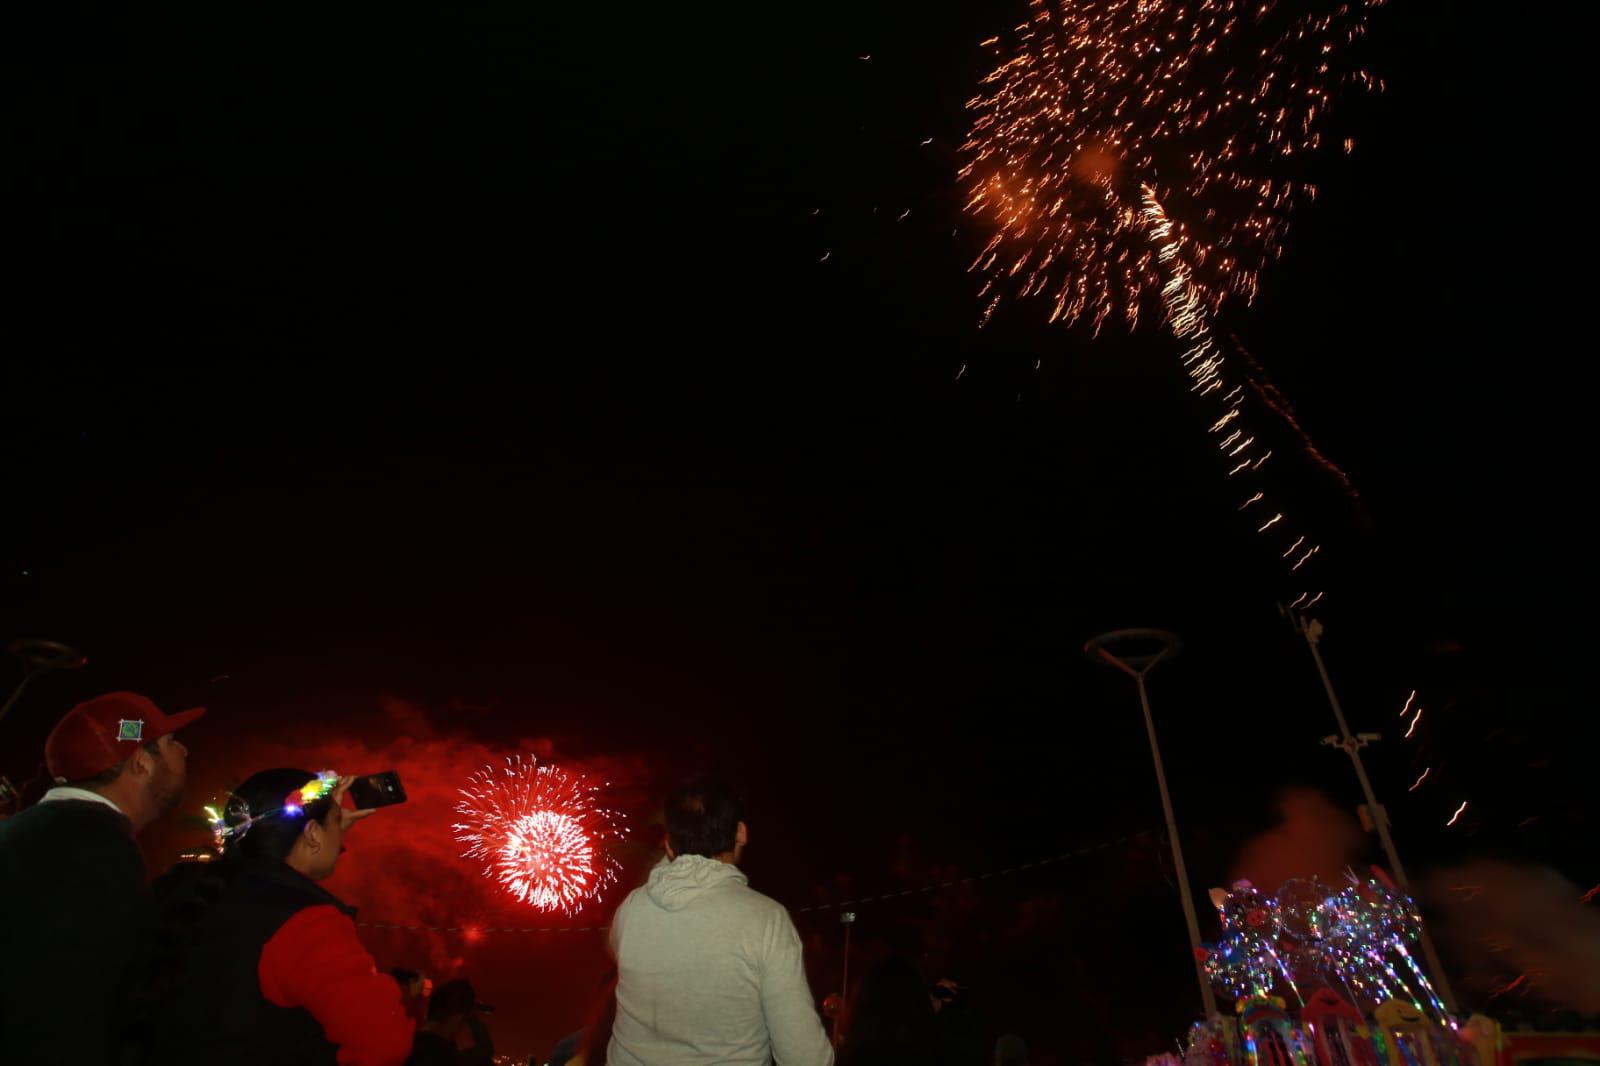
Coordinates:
<point>1136,665</point>
<point>39,656</point>
<point>1311,630</point>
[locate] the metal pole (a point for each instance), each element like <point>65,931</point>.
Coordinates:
<point>16,694</point>
<point>36,657</point>
<point>1136,666</point>
<point>845,979</point>
<point>848,919</point>
<point>1312,631</point>
<point>1207,997</point>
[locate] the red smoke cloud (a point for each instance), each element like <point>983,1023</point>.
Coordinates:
<point>1518,931</point>
<point>1314,838</point>
<point>1505,931</point>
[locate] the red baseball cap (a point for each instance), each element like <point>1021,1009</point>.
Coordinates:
<point>97,734</point>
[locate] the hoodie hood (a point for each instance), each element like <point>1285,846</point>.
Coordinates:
<point>675,884</point>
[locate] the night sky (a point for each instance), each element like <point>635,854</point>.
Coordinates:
<point>422,385</point>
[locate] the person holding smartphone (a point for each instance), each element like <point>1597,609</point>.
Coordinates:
<point>256,962</point>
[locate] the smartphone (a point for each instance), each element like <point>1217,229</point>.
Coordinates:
<point>377,790</point>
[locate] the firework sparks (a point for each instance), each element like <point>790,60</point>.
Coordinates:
<point>1456,816</point>
<point>1131,152</point>
<point>1279,405</point>
<point>1205,103</point>
<point>1510,986</point>
<point>1188,319</point>
<point>541,832</point>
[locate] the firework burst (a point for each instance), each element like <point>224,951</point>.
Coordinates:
<point>540,831</point>
<point>1138,152</point>
<point>1203,106</point>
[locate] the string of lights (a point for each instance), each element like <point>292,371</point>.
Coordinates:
<point>1053,860</point>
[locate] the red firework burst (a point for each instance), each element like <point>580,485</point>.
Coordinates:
<point>541,832</point>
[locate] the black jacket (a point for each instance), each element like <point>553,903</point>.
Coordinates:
<point>73,910</point>
<point>430,1049</point>
<point>211,1009</point>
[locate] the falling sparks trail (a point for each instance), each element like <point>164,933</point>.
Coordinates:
<point>1457,815</point>
<point>1279,405</point>
<point>1421,779</point>
<point>1409,699</point>
<point>1187,318</point>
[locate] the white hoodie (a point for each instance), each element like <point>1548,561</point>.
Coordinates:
<point>709,971</point>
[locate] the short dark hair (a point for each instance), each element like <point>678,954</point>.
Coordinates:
<point>703,817</point>
<point>109,775</point>
<point>451,999</point>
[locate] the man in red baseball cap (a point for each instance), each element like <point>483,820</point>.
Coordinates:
<point>74,902</point>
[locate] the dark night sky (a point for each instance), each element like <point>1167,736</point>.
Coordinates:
<point>481,359</point>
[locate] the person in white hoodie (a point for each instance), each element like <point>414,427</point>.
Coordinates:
<point>708,970</point>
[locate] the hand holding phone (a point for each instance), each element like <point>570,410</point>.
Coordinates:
<point>370,791</point>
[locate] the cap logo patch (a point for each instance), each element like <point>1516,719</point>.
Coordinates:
<point>130,729</point>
